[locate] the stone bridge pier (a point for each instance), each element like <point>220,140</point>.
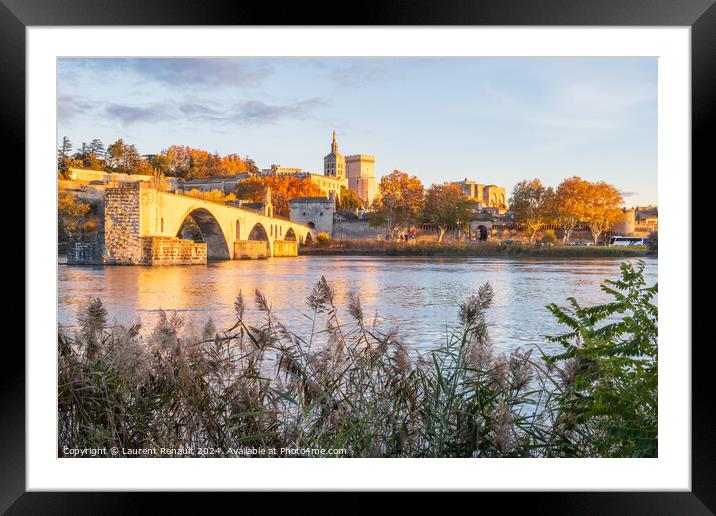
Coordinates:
<point>145,226</point>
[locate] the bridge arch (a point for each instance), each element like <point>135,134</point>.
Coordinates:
<point>290,234</point>
<point>201,226</point>
<point>258,232</point>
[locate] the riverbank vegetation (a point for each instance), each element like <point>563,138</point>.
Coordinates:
<point>413,248</point>
<point>354,384</point>
<point>402,202</point>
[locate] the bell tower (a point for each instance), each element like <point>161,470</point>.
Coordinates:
<point>334,164</point>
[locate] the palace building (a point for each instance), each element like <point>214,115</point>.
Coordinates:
<point>360,170</point>
<point>356,172</point>
<point>487,196</point>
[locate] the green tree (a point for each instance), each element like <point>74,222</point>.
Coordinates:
<point>606,405</point>
<point>115,155</point>
<point>96,153</point>
<point>532,205</point>
<point>446,205</point>
<point>349,200</point>
<point>64,156</point>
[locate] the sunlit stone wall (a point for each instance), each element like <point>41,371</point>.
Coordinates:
<point>162,250</point>
<point>122,225</point>
<point>250,249</point>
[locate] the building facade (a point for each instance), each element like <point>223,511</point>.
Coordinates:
<point>315,212</point>
<point>360,171</point>
<point>487,196</point>
<point>225,184</point>
<point>329,184</point>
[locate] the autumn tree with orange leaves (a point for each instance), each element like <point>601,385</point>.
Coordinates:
<point>190,163</point>
<point>570,204</point>
<point>283,189</point>
<point>603,208</point>
<point>400,201</point>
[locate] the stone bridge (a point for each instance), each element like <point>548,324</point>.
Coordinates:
<point>143,225</point>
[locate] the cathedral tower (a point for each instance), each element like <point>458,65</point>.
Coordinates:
<point>334,164</point>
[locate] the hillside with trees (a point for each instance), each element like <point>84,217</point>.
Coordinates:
<point>176,161</point>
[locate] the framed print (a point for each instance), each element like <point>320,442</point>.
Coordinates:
<point>415,252</point>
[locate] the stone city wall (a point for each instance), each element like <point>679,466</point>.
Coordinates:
<point>356,231</point>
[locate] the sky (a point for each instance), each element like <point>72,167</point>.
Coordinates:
<point>492,120</point>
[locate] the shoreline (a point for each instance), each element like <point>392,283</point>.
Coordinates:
<point>372,248</point>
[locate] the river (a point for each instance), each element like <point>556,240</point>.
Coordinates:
<point>419,295</point>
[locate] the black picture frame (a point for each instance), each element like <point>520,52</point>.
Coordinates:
<point>700,15</point>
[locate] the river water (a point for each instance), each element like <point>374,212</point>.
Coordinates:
<point>418,295</point>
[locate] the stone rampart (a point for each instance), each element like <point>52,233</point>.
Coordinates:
<point>355,231</point>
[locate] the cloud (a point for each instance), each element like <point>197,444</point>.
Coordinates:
<point>133,114</point>
<point>257,112</point>
<point>69,107</point>
<point>205,72</point>
<point>251,112</point>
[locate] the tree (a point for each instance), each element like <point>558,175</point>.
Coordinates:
<point>532,204</point>
<point>349,200</point>
<point>607,403</point>
<point>400,200</point>
<point>70,213</point>
<point>283,189</point>
<point>212,195</point>
<point>603,208</point>
<point>446,205</point>
<point>570,204</point>
<point>96,150</point>
<point>64,158</point>
<point>115,155</point>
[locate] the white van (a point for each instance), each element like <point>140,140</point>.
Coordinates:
<point>622,240</point>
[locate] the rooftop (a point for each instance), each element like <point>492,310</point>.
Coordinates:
<point>360,156</point>
<point>310,199</point>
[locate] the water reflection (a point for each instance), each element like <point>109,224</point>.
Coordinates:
<point>419,295</point>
